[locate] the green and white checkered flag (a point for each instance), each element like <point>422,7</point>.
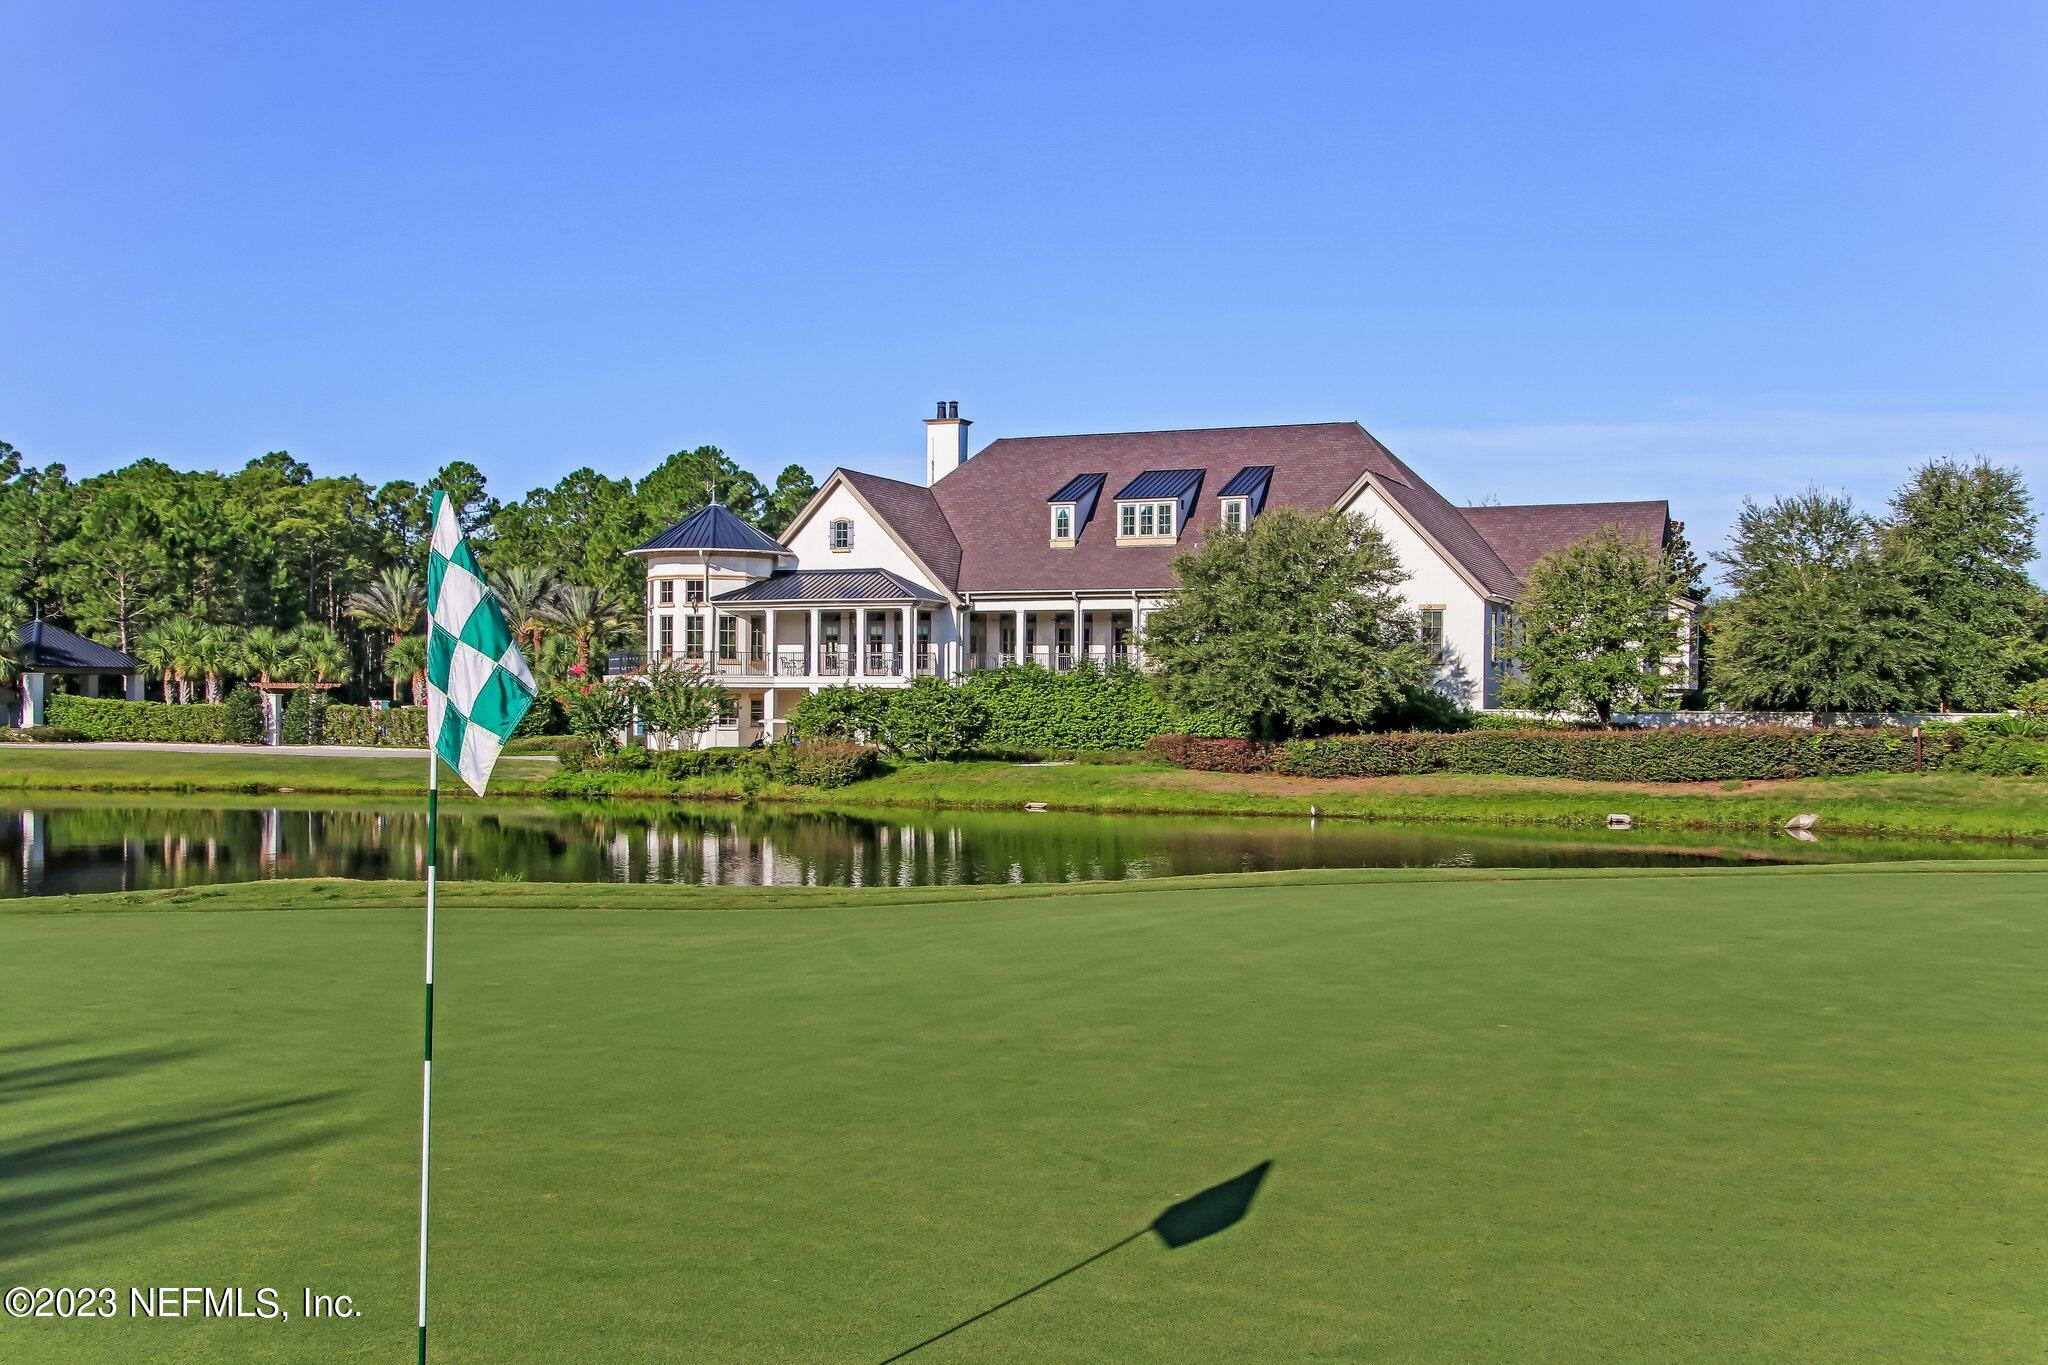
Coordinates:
<point>478,686</point>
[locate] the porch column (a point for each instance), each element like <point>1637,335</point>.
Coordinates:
<point>1020,635</point>
<point>860,641</point>
<point>34,687</point>
<point>1080,634</point>
<point>910,640</point>
<point>769,655</point>
<point>132,686</point>
<point>815,660</point>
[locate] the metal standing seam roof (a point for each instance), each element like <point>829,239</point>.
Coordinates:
<point>830,585</point>
<point>1079,487</point>
<point>714,528</point>
<point>44,646</point>
<point>1160,483</point>
<point>1249,483</point>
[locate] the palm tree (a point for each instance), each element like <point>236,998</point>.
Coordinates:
<point>174,650</point>
<point>268,651</point>
<point>528,595</point>
<point>213,652</point>
<point>592,617</point>
<point>408,660</point>
<point>393,604</point>
<point>318,651</point>
<point>155,648</point>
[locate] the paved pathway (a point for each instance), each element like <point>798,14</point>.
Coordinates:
<point>296,750</point>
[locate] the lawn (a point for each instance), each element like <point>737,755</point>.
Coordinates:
<point>1936,804</point>
<point>35,767</point>
<point>1751,1114</point>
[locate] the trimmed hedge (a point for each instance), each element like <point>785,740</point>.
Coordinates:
<point>391,727</point>
<point>813,763</point>
<point>151,721</point>
<point>1030,707</point>
<point>1674,755</point>
<point>39,734</point>
<point>1214,755</point>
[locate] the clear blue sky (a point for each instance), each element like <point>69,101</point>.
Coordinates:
<point>1546,252</point>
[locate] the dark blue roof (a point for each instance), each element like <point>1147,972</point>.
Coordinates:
<point>1079,487</point>
<point>44,646</point>
<point>830,585</point>
<point>1250,480</point>
<point>1161,483</point>
<point>714,528</point>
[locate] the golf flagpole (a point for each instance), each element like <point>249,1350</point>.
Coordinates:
<point>427,1060</point>
<point>478,688</point>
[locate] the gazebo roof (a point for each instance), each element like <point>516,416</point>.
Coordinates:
<point>52,649</point>
<point>712,527</point>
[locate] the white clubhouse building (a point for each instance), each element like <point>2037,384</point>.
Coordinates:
<point>1052,550</point>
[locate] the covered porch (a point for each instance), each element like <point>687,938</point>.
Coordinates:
<point>822,627</point>
<point>1052,634</point>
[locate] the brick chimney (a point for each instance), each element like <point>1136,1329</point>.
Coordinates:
<point>945,443</point>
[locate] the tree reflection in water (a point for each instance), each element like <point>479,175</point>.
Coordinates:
<point>80,846</point>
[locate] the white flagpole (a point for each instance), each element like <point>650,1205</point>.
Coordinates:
<point>427,1069</point>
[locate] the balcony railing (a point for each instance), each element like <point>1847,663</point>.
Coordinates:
<point>1062,659</point>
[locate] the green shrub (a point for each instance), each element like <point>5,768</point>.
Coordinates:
<point>150,721</point>
<point>821,762</point>
<point>847,712</point>
<point>2032,697</point>
<point>242,716</point>
<point>1030,707</point>
<point>305,717</point>
<point>389,727</point>
<point>1672,755</point>
<point>932,719</point>
<point>574,755</point>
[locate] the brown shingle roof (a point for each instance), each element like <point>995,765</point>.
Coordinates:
<point>913,513</point>
<point>995,502</point>
<point>1522,535</point>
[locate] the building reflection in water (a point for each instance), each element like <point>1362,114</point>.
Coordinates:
<point>63,849</point>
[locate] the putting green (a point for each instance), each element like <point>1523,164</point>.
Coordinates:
<point>1751,1114</point>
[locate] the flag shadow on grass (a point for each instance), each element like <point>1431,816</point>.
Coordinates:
<point>1190,1220</point>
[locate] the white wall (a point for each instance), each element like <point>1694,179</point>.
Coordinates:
<point>1433,582</point>
<point>873,547</point>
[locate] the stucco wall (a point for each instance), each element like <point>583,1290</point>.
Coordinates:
<point>1433,582</point>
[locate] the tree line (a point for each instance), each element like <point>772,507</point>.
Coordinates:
<point>1295,626</point>
<point>274,573</point>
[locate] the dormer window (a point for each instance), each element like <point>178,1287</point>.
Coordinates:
<point>1070,506</point>
<point>1238,501</point>
<point>842,535</point>
<point>1152,508</point>
<point>1138,520</point>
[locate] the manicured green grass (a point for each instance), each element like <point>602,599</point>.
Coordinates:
<point>1758,1114</point>
<point>1939,804</point>
<point>1960,803</point>
<point>25,767</point>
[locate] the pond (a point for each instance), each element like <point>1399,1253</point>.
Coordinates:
<point>60,846</point>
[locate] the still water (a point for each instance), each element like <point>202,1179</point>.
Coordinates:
<point>66,846</point>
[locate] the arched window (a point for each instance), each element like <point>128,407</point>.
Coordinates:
<point>842,534</point>
<point>1062,523</point>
